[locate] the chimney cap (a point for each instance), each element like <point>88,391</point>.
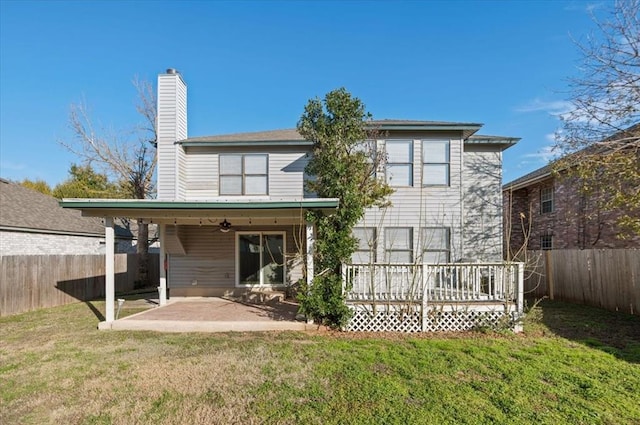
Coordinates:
<point>172,71</point>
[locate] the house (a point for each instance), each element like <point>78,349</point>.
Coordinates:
<point>231,207</point>
<point>545,211</point>
<point>32,223</point>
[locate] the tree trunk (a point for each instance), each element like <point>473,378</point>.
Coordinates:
<point>143,255</point>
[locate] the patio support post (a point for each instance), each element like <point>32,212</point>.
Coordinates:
<point>162,289</point>
<point>109,270</point>
<point>311,237</point>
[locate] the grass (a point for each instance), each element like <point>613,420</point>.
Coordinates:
<point>573,364</point>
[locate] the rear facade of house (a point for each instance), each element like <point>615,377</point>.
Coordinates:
<point>447,204</point>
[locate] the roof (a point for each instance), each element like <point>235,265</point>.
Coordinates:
<point>31,211</point>
<point>150,208</point>
<point>534,176</point>
<point>290,136</point>
<point>545,171</point>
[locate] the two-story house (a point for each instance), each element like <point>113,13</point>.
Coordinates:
<point>545,210</point>
<point>231,208</point>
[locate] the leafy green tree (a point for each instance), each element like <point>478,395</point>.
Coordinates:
<point>343,166</point>
<point>37,185</point>
<point>600,134</point>
<point>85,182</point>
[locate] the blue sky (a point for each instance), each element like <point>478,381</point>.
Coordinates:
<point>253,66</point>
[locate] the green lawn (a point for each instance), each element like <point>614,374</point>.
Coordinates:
<point>573,364</point>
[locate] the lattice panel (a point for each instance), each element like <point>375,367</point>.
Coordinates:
<point>404,318</point>
<point>447,321</point>
<point>390,320</point>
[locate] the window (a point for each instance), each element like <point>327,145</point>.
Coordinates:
<point>260,258</point>
<point>436,242</point>
<point>546,200</point>
<point>243,174</point>
<point>366,251</point>
<point>546,242</point>
<point>398,244</point>
<point>435,162</point>
<point>399,162</point>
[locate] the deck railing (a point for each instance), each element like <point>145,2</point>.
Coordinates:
<point>457,282</point>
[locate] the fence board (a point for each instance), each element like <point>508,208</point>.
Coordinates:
<point>609,278</point>
<point>29,282</point>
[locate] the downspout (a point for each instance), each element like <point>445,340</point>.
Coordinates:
<point>461,196</point>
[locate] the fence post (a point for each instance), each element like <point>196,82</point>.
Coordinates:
<point>548,271</point>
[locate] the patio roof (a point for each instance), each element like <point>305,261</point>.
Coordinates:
<point>196,210</point>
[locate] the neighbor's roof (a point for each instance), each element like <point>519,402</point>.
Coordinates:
<point>290,136</point>
<point>544,172</point>
<point>533,177</point>
<point>23,209</point>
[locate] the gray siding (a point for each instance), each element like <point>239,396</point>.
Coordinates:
<point>417,206</point>
<point>172,126</point>
<point>482,204</point>
<point>210,257</point>
<point>286,171</point>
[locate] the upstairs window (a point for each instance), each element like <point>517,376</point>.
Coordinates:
<point>435,163</point>
<point>399,162</point>
<point>244,174</point>
<point>436,243</point>
<point>366,251</point>
<point>546,200</point>
<point>398,244</point>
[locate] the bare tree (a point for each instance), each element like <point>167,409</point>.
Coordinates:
<point>127,156</point>
<point>600,134</point>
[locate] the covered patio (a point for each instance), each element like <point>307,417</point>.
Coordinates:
<point>224,217</point>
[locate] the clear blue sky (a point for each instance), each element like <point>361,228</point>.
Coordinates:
<point>253,65</point>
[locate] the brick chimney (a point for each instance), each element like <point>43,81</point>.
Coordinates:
<point>172,126</point>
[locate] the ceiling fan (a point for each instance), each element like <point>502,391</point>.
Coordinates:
<point>225,226</point>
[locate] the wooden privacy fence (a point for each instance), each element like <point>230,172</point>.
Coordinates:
<point>606,278</point>
<point>29,282</point>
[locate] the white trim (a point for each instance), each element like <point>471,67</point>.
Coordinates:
<point>311,238</point>
<point>237,258</point>
<point>162,289</point>
<point>109,270</point>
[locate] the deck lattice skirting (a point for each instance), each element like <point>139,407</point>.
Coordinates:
<point>434,298</point>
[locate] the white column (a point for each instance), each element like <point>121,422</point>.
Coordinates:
<point>311,238</point>
<point>109,270</point>
<point>162,289</point>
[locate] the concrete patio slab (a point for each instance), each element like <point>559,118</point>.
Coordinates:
<point>213,314</point>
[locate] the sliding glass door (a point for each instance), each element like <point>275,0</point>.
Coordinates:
<point>260,258</point>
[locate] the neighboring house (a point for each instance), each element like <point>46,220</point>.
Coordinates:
<point>32,223</point>
<point>543,211</point>
<point>231,207</point>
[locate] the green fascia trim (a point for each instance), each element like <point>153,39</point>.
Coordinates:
<point>178,205</point>
<point>246,143</point>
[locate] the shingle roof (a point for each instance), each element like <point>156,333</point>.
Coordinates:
<point>292,135</point>
<point>540,173</point>
<point>545,171</point>
<point>28,209</point>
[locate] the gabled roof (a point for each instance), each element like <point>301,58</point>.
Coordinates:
<point>290,136</point>
<point>23,209</point>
